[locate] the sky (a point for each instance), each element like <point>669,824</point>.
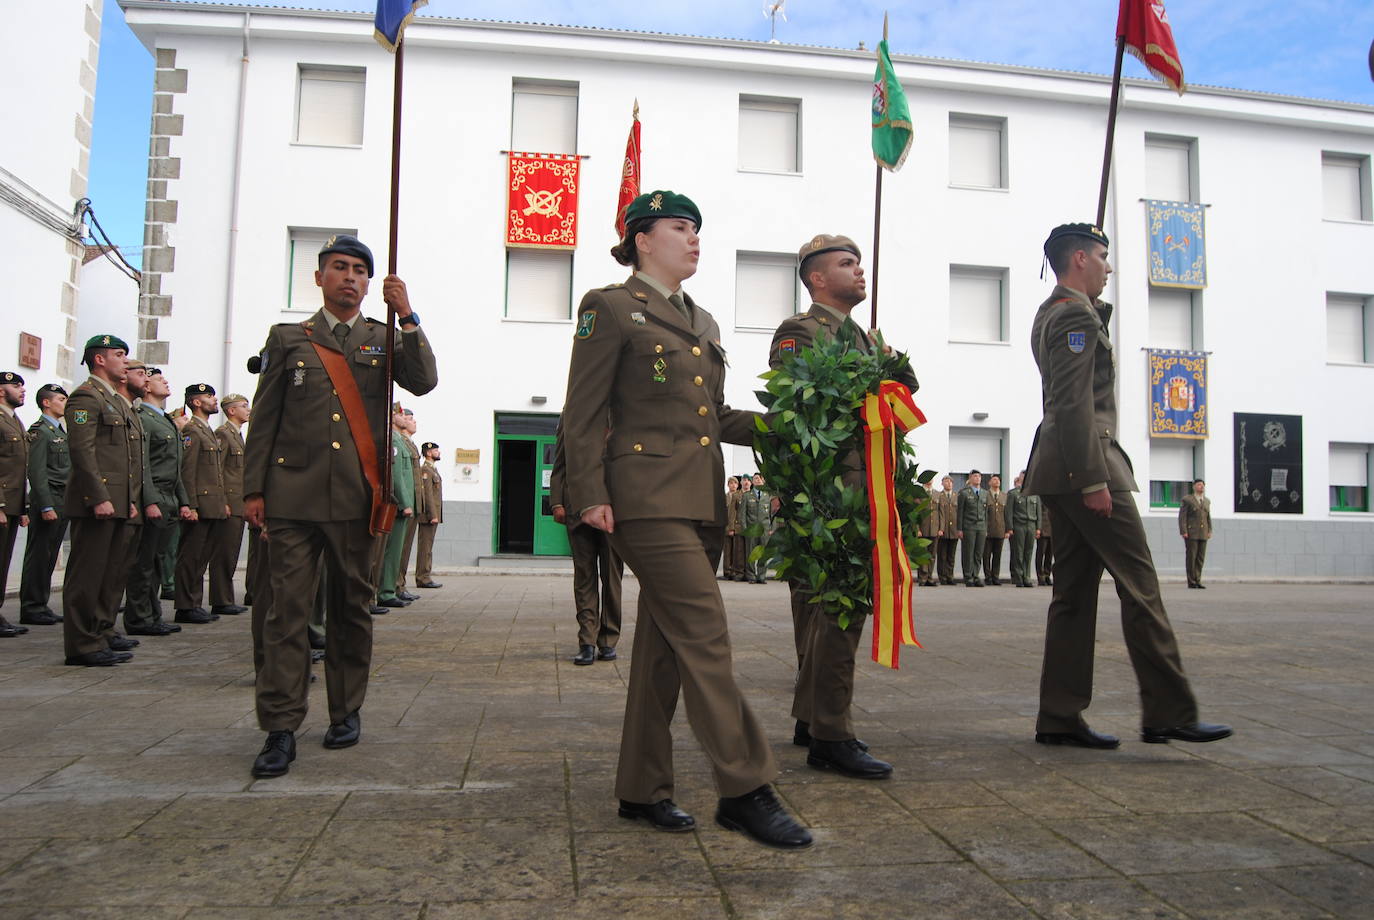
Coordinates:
<point>1313,48</point>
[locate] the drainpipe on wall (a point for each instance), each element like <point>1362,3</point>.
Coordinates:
<point>232,260</point>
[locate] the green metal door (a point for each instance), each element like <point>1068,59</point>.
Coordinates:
<point>550,537</point>
<point>523,523</point>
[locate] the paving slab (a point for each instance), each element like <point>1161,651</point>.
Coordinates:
<point>484,784</point>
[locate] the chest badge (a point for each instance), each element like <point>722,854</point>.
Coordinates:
<point>372,349</point>
<point>660,371</point>
<point>638,318</point>
<point>1077,342</point>
<point>298,377</point>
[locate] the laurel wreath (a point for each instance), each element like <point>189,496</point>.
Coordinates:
<point>809,448</point>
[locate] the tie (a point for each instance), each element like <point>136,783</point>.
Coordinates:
<point>677,301</point>
<point>856,335</point>
<point>341,333</point>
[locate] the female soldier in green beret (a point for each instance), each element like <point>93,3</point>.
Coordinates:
<point>643,421</point>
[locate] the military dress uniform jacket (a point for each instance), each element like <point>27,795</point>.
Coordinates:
<point>657,383</point>
<point>300,450</point>
<point>50,463</point>
<point>14,465</point>
<point>431,490</point>
<point>946,513</point>
<point>972,515</point>
<point>202,470</point>
<point>164,460</point>
<point>998,522</point>
<point>1023,511</point>
<point>231,452</point>
<point>107,452</point>
<point>412,454</point>
<point>402,473</point>
<point>1075,446</point>
<point>1195,517</point>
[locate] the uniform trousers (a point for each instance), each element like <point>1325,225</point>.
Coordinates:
<point>224,560</point>
<point>801,623</point>
<point>682,645</point>
<point>825,678</point>
<point>142,606</point>
<point>407,548</point>
<point>167,563</point>
<point>755,570</point>
<point>1022,548</point>
<point>96,570</point>
<point>735,557</point>
<point>992,557</point>
<point>424,553</point>
<point>1085,544</point>
<point>257,586</point>
<point>9,532</point>
<point>40,560</point>
<point>944,548</point>
<point>1196,554</point>
<point>199,539</point>
<point>391,559</point>
<point>296,551</point>
<point>971,559</point>
<point>597,572</point>
<point>1044,559</point>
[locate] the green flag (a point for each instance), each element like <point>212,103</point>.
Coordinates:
<point>891,118</point>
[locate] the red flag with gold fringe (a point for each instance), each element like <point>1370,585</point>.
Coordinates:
<point>629,175</point>
<point>1145,27</point>
<point>541,200</point>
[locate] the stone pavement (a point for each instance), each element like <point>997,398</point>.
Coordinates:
<point>483,784</point>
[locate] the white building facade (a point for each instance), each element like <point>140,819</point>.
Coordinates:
<point>272,130</point>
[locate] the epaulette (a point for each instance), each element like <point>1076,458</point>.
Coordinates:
<point>612,287</point>
<point>375,322</point>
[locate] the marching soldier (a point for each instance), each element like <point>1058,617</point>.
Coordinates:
<point>1023,513</point>
<point>164,489</point>
<point>973,529</point>
<point>831,270</point>
<point>14,472</point>
<point>312,477</point>
<point>103,499</point>
<point>432,487</point>
<point>647,366</point>
<point>224,555</point>
<point>202,472</point>
<point>50,464</point>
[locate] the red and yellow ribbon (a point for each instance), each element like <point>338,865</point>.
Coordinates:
<point>888,414</point>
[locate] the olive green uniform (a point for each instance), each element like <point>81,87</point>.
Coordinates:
<point>1023,512</point>
<point>1075,448</point>
<point>1195,526</point>
<point>403,491</point>
<point>163,487</point>
<point>202,472</point>
<point>224,556</point>
<point>824,695</point>
<point>597,570</point>
<point>754,510</point>
<point>302,460</point>
<point>412,454</point>
<point>656,380</point>
<point>1044,548</point>
<point>50,464</point>
<point>432,489</point>
<point>14,474</point>
<point>107,453</point>
<point>972,511</point>
<point>997,534</point>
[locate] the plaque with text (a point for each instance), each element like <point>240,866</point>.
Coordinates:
<point>1268,463</point>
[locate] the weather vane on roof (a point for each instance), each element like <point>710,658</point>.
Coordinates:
<point>771,12</point>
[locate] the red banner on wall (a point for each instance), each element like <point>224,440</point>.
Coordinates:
<point>541,200</point>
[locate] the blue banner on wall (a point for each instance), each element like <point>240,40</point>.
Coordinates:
<point>1178,254</point>
<point>1178,394</point>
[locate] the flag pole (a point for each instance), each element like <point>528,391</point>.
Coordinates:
<point>391,260</point>
<point>877,222</point>
<point>1111,131</point>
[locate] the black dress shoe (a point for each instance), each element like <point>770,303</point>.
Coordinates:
<point>393,601</point>
<point>276,755</point>
<point>761,816</point>
<point>407,596</point>
<point>191,615</point>
<point>664,815</point>
<point>316,656</point>
<point>346,733</point>
<point>170,627</point>
<point>154,629</point>
<point>167,594</point>
<point>118,643</point>
<point>1200,586</point>
<point>801,736</point>
<point>847,759</point>
<point>8,630</point>
<point>378,611</point>
<point>586,654</point>
<point>316,642</point>
<point>228,610</point>
<point>1082,737</point>
<point>101,659</point>
<point>1197,732</point>
<point>41,618</point>
<point>428,584</point>
<point>605,653</point>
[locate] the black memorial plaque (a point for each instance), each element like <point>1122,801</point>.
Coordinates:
<point>1268,463</point>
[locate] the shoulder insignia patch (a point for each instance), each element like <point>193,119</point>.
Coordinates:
<point>1077,342</point>
<point>81,416</point>
<point>788,346</point>
<point>586,325</point>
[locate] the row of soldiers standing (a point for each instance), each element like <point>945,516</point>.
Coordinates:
<point>980,521</point>
<point>746,504</point>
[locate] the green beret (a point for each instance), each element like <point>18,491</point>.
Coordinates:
<point>825,242</point>
<point>105,341</point>
<point>662,204</point>
<point>349,246</point>
<point>1087,231</point>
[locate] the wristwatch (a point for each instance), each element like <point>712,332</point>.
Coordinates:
<point>412,320</point>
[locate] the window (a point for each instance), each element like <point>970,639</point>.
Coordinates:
<point>329,106</point>
<point>1349,473</point>
<point>1171,318</point>
<point>1348,319</point>
<point>978,449</point>
<point>1345,187</point>
<point>977,304</point>
<point>977,151</point>
<point>769,134</point>
<point>302,293</point>
<point>765,289</point>
<point>538,284</point>
<point>1169,172</point>
<point>543,117</point>
<point>1173,466</point>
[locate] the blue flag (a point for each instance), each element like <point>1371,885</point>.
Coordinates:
<point>1178,251</point>
<point>392,18</point>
